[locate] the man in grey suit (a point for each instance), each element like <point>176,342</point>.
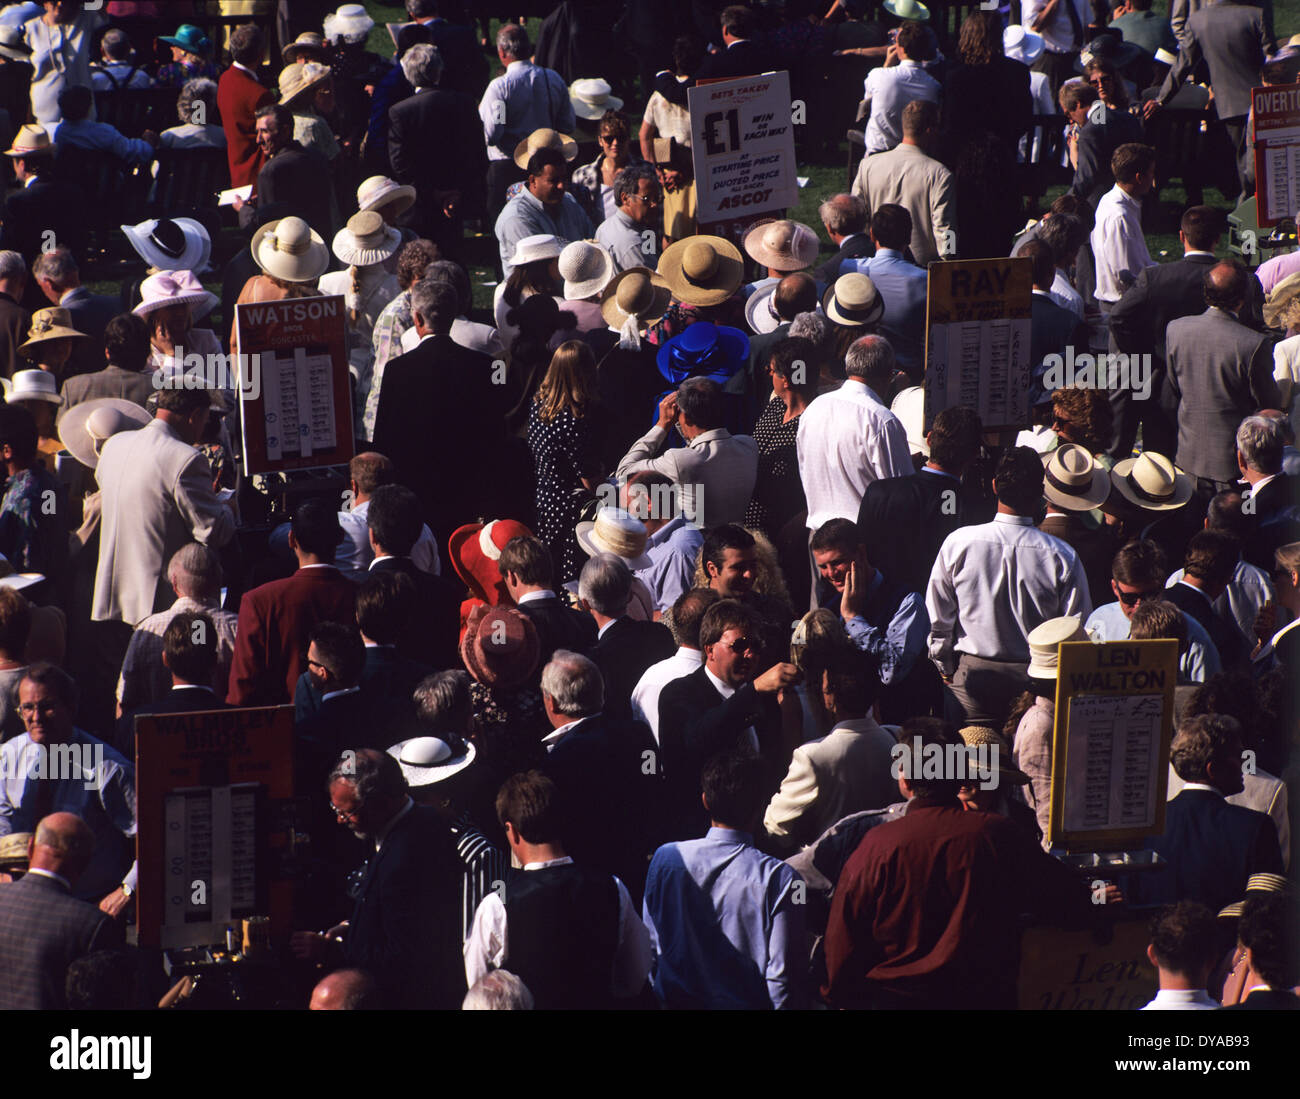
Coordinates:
<point>43,929</point>
<point>1219,372</point>
<point>59,278</point>
<point>1234,40</point>
<point>127,377</point>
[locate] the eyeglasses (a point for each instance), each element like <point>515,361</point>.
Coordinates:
<point>344,814</point>
<point>647,199</point>
<point>1133,598</point>
<point>27,709</point>
<point>741,646</point>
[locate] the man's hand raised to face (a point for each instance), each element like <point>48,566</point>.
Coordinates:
<point>776,677</point>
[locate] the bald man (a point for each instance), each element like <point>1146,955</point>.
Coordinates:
<point>43,928</point>
<point>344,990</point>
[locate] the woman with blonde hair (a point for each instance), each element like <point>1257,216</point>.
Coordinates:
<point>564,440</point>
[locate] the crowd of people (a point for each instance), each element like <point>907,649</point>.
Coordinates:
<point>621,645</point>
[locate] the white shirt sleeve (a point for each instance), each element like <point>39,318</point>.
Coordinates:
<point>941,604</point>
<point>485,949</point>
<point>633,957</point>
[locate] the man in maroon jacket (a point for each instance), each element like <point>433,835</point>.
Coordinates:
<point>275,619</point>
<point>239,97</point>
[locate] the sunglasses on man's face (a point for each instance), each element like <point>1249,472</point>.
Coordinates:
<point>1133,598</point>
<point>741,646</point>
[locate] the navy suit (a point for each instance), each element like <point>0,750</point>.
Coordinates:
<point>855,246</point>
<point>623,653</point>
<point>179,700</point>
<point>435,621</point>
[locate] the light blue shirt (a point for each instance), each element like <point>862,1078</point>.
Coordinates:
<point>525,216</point>
<point>672,550</point>
<point>100,137</point>
<point>629,244</point>
<point>898,643</point>
<point>526,97</point>
<point>724,926</point>
<point>902,286</point>
<point>1197,664</point>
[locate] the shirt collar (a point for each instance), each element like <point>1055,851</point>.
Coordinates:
<point>563,860</point>
<point>940,473</point>
<point>666,531</point>
<point>244,68</point>
<point>722,688</point>
<point>729,835</point>
<point>858,385</point>
<point>534,597</point>
<point>1262,482</point>
<point>554,737</point>
<point>1014,520</point>
<point>51,874</point>
<point>693,655</point>
<point>1202,786</point>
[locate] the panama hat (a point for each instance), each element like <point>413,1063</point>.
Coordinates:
<point>704,350</point>
<point>1044,642</point>
<point>380,191</point>
<point>539,246</point>
<point>169,288</point>
<point>171,244</point>
<point>615,532</point>
<point>977,736</point>
<point>1073,479</point>
<point>34,385</point>
<point>300,77</point>
<point>351,22</point>
<point>586,269</point>
<point>782,245</point>
<point>591,98</point>
<point>702,270</point>
<point>637,293</point>
<point>500,646</point>
<point>13,45</point>
<point>1021,44</point>
<point>907,9</point>
<point>84,428</point>
<point>32,140</point>
<point>1256,883</point>
<point>426,760</point>
<point>309,42</point>
<point>190,39</point>
<point>909,406</point>
<point>290,249</point>
<point>475,550</point>
<point>1152,482</point>
<point>366,240</point>
<point>52,323</point>
<point>853,300</point>
<point>545,138</point>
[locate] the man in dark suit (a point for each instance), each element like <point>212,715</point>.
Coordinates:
<point>126,346</point>
<point>291,174</point>
<point>742,53</point>
<point>405,923</point>
<point>275,618</point>
<point>14,319</point>
<point>57,275</point>
<point>240,95</point>
<point>624,648</point>
<point>435,143</point>
<point>393,519</point>
<point>345,717</point>
<point>439,411</point>
<point>844,218</point>
<point>1208,568</point>
<point>1273,505</point>
<point>465,69</point>
<point>1102,130</point>
<point>1268,922</point>
<point>1052,327</point>
<point>904,520</point>
<point>43,207</point>
<point>528,572</point>
<point>716,708</point>
<point>1211,847</point>
<point>1219,371</point>
<point>43,929</point>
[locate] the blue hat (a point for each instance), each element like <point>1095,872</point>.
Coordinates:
<point>703,350</point>
<point>189,38</point>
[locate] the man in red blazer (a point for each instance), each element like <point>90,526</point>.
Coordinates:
<point>275,619</point>
<point>239,96</point>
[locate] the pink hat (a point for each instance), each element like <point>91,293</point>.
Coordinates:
<point>174,288</point>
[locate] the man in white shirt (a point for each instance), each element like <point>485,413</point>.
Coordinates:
<point>1118,245</point>
<point>991,585</point>
<point>1064,234</point>
<point>897,83</point>
<point>688,613</point>
<point>1184,948</point>
<point>1062,25</point>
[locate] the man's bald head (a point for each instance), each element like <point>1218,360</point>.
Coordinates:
<point>1225,284</point>
<point>795,294</point>
<point>344,990</point>
<point>63,844</point>
<point>843,215</point>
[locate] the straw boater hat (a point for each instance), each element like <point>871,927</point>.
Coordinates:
<point>351,22</point>
<point>539,246</point>
<point>853,300</point>
<point>636,293</point>
<point>907,9</point>
<point>174,288</point>
<point>1021,44</point>
<point>52,323</point>
<point>586,269</point>
<point>301,77</point>
<point>500,646</point>
<point>85,427</point>
<point>1257,884</point>
<point>782,245</point>
<point>311,43</point>
<point>32,140</point>
<point>909,407</point>
<point>591,98</point>
<point>475,550</point>
<point>615,532</point>
<point>13,45</point>
<point>1073,479</point>
<point>291,250</point>
<point>977,736</point>
<point>366,240</point>
<point>34,385</point>
<point>1044,641</point>
<point>1152,482</point>
<point>393,199</point>
<point>426,760</point>
<point>545,138</point>
<point>702,270</point>
<point>171,244</point>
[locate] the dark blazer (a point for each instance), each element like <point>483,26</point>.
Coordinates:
<point>464,68</point>
<point>904,521</point>
<point>179,700</point>
<point>90,315</point>
<point>405,925</point>
<point>301,179</point>
<point>344,721</point>
<point>48,204</point>
<point>623,654</point>
<point>1212,848</point>
<point>854,246</point>
<point>129,385</point>
<point>239,97</point>
<point>15,321</point>
<point>1268,999</point>
<point>435,625</point>
<point>993,97</point>
<point>1104,131</point>
<point>559,626</point>
<point>435,143</point>
<point>1052,328</point>
<point>1234,652</point>
<point>745,58</point>
<point>439,412</point>
<point>43,930</point>
<point>388,681</point>
<point>1276,518</point>
<point>271,639</point>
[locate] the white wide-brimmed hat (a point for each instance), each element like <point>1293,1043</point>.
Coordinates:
<point>351,23</point>
<point>1021,44</point>
<point>174,288</point>
<point>85,427</point>
<point>426,760</point>
<point>545,138</point>
<point>615,532</point>
<point>1044,641</point>
<point>34,385</point>
<point>380,191</point>
<point>591,98</point>
<point>171,244</point>
<point>907,9</point>
<point>1073,479</point>
<point>782,245</point>
<point>853,300</point>
<point>538,246</point>
<point>290,249</point>
<point>702,270</point>
<point>366,240</point>
<point>909,406</point>
<point>1152,482</point>
<point>637,292</point>
<point>586,269</point>
<point>760,314</point>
